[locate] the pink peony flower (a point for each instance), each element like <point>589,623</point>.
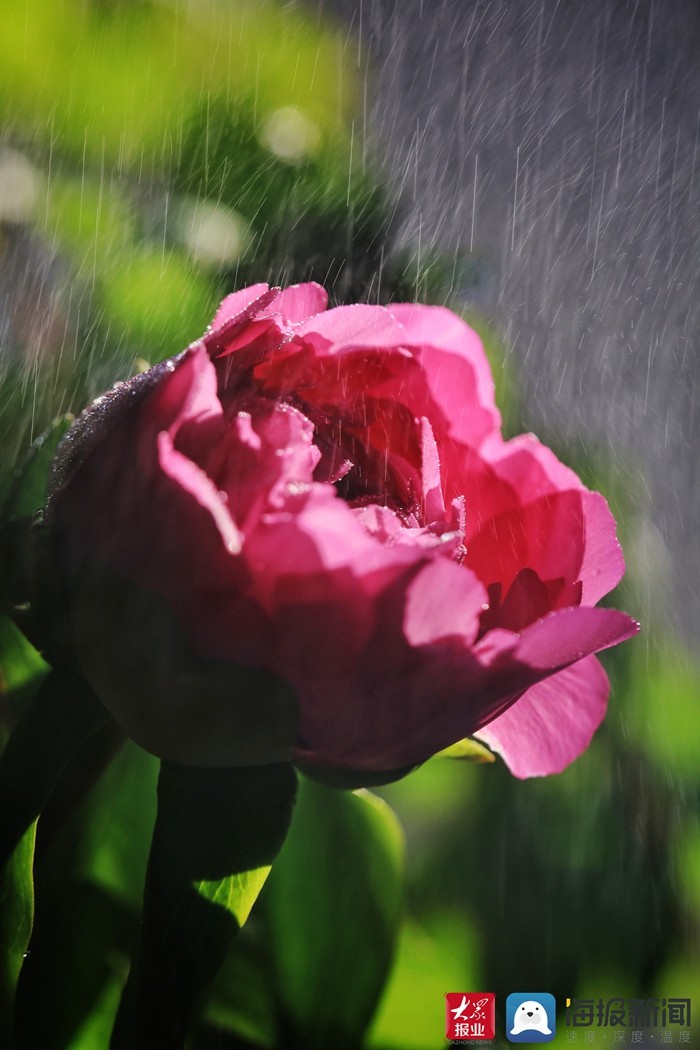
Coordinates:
<point>325,495</point>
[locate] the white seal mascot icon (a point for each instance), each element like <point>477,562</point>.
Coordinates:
<point>530,1015</point>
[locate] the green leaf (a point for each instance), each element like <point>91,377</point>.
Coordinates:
<point>79,948</point>
<point>60,743</point>
<point>467,750</point>
<point>429,962</point>
<point>116,826</point>
<point>333,906</point>
<point>95,1030</point>
<point>16,917</point>
<point>21,670</point>
<point>28,494</point>
<point>217,832</point>
<point>90,874</point>
<point>241,998</point>
<point>23,562</point>
<point>61,717</point>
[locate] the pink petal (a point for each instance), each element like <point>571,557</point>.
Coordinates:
<point>265,452</point>
<point>386,526</point>
<point>315,532</point>
<point>528,466</point>
<point>299,302</point>
<point>186,390</point>
<point>351,327</point>
<point>186,404</point>
<point>553,722</point>
<point>402,705</point>
<point>234,328</point>
<point>433,503</point>
<point>193,480</point>
<point>533,472</point>
<point>192,387</point>
<point>457,369</point>
<point>603,562</point>
<point>318,572</point>
<point>264,314</point>
<point>527,600</point>
<point>546,536</point>
<point>261,336</point>
<point>380,723</point>
<point>289,448</point>
<point>570,634</point>
<point>445,600</point>
<point>235,305</point>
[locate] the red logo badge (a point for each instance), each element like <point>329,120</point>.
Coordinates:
<point>470,1016</point>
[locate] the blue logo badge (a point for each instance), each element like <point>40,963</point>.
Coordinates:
<point>531,1017</point>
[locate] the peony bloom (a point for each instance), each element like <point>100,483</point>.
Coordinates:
<point>324,498</point>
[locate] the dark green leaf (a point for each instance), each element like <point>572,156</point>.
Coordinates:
<point>79,949</point>
<point>30,589</point>
<point>217,832</point>
<point>61,717</point>
<point>89,876</point>
<point>16,916</point>
<point>116,826</point>
<point>28,494</point>
<point>23,561</point>
<point>241,998</point>
<point>21,669</point>
<point>333,906</point>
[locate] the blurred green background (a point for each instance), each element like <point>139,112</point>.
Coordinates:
<point>155,155</point>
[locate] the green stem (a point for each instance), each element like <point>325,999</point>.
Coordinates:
<point>216,834</point>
